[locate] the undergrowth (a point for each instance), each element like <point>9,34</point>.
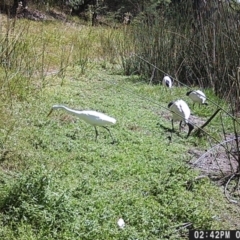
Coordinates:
<point>58,183</point>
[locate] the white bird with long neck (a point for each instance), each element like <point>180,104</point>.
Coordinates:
<point>180,112</point>
<point>167,82</point>
<point>94,118</point>
<point>197,96</point>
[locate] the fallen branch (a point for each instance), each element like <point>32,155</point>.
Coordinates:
<point>184,225</point>
<point>225,189</point>
<point>199,130</point>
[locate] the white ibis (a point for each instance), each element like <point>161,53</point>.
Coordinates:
<point>92,117</point>
<point>167,82</point>
<point>180,112</point>
<point>197,96</point>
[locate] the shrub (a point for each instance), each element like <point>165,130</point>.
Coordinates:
<point>34,200</point>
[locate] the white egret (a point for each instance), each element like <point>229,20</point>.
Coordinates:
<point>180,112</point>
<point>197,96</point>
<point>121,223</point>
<point>92,117</point>
<point>167,82</point>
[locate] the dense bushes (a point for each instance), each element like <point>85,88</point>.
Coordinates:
<point>196,51</point>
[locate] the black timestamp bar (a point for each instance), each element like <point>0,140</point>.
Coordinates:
<point>214,234</point>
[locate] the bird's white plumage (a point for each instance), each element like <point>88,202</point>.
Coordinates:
<point>180,110</point>
<point>121,223</point>
<point>167,82</point>
<point>94,118</point>
<point>197,96</point>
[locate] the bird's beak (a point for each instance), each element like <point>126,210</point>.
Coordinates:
<point>191,127</point>
<point>50,112</point>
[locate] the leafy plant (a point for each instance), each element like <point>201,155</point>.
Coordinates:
<point>34,199</point>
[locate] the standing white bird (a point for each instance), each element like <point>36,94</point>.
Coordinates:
<point>180,112</point>
<point>197,96</point>
<point>92,117</point>
<point>167,82</point>
<point>121,223</point>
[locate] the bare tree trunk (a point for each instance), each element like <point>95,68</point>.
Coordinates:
<point>94,19</point>
<point>17,4</point>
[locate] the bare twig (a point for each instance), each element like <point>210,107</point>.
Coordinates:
<point>184,225</point>
<point>210,150</point>
<point>198,131</point>
<point>152,76</point>
<point>225,189</point>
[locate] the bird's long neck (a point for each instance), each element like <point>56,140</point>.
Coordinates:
<point>69,110</point>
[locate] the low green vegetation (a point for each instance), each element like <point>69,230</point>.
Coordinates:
<point>56,182</point>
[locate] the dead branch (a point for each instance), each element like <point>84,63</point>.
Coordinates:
<point>225,190</point>
<point>198,131</point>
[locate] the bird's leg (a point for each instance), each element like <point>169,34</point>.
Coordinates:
<point>180,126</point>
<point>172,126</point>
<point>171,132</point>
<point>96,133</point>
<point>191,127</point>
<point>113,141</point>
